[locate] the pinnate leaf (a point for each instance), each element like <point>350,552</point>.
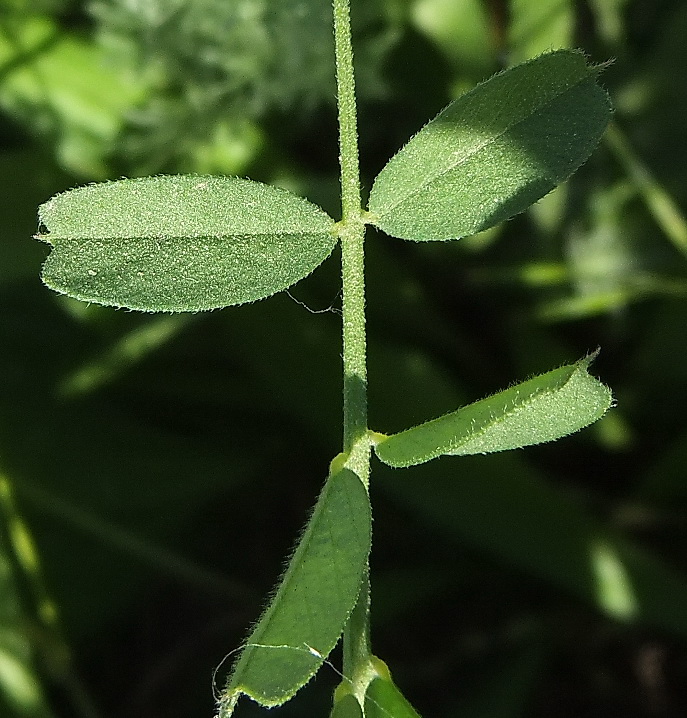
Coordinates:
<point>313,602</point>
<point>181,243</point>
<point>494,151</point>
<point>545,408</point>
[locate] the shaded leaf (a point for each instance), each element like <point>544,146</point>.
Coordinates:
<point>122,354</point>
<point>308,613</point>
<point>609,21</point>
<point>665,211</point>
<point>383,699</point>
<point>494,151</point>
<point>545,408</point>
<point>181,243</point>
<point>346,707</point>
<point>111,538</point>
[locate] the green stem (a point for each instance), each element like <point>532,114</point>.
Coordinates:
<point>356,443</point>
<point>665,210</point>
<point>49,634</point>
<point>351,233</point>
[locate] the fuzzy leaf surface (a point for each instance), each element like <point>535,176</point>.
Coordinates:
<point>494,151</point>
<point>313,602</point>
<point>541,409</point>
<point>181,243</point>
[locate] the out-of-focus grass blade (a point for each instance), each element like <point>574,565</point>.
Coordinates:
<point>500,505</point>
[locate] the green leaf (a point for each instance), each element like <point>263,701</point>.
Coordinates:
<point>383,699</point>
<point>346,707</point>
<point>541,409</point>
<point>181,243</point>
<point>462,29</point>
<point>310,609</point>
<point>494,151</point>
<point>536,27</point>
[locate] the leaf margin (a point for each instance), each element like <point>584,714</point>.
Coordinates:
<point>234,688</point>
<point>150,244</point>
<point>382,442</point>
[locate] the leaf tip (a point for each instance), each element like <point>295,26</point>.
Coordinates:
<point>43,233</point>
<point>599,67</point>
<point>591,357</point>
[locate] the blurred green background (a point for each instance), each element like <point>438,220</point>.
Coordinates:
<point>155,470</point>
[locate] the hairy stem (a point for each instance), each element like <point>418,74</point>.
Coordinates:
<point>352,233</point>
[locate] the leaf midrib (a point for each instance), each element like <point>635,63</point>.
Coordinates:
<point>491,140</point>
<point>239,235</point>
<point>494,420</point>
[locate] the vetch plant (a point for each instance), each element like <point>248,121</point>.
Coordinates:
<point>192,243</point>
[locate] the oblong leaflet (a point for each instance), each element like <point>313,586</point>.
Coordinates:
<point>541,409</point>
<point>311,606</point>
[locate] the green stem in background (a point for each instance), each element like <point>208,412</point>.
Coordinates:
<point>47,628</point>
<point>665,210</point>
<point>356,650</point>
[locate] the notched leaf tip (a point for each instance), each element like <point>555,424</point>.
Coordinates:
<point>42,233</point>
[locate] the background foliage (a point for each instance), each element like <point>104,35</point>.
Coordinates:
<point>154,470</point>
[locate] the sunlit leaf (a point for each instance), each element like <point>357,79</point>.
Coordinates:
<point>542,409</point>
<point>308,613</point>
<point>494,151</point>
<point>181,243</point>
